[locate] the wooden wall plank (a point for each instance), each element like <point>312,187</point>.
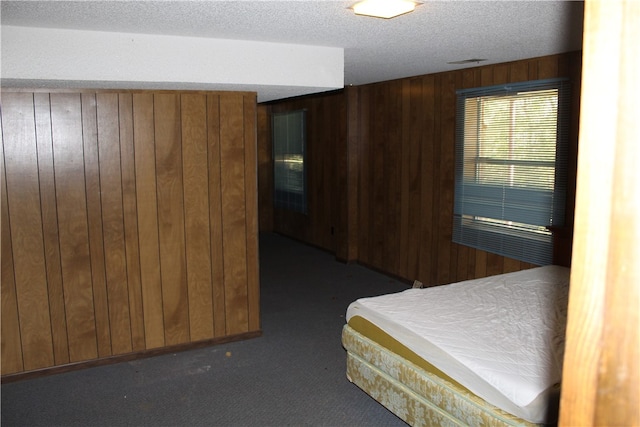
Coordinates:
<point>434,191</point>
<point>548,67</point>
<point>471,264</point>
<point>340,219</point>
<point>393,173</point>
<point>495,264</point>
<point>379,137</point>
<point>353,162</point>
<point>519,71</point>
<point>234,219</point>
<point>481,264</point>
<point>327,233</point>
<point>66,119</point>
<point>343,173</point>
<point>364,202</point>
<point>405,161</point>
<point>446,161</point>
<point>414,177</point>
<point>459,273</point>
<point>11,348</point>
<point>325,221</point>
<point>486,76</point>
<point>113,222</point>
<point>427,175</point>
<point>94,220</point>
<point>196,199</point>
<point>23,195</point>
<point>317,183</point>
<point>251,195</point>
<point>215,212</point>
<point>50,227</point>
<point>510,265</point>
<point>470,78</point>
<point>265,175</point>
<point>501,74</point>
<point>171,217</point>
<point>147,210</point>
<point>130,218</point>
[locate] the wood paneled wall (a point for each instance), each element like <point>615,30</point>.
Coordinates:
<point>407,147</point>
<point>392,192</point>
<point>326,137</point>
<point>129,223</point>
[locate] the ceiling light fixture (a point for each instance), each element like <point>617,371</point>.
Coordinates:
<point>384,8</point>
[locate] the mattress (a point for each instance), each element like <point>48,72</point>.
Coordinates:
<point>419,397</point>
<point>501,337</point>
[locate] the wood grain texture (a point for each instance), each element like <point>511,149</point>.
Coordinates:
<point>113,222</point>
<point>50,228</point>
<point>66,125</point>
<point>352,190</point>
<point>411,221</point>
<point>404,160</point>
<point>169,187</point>
<point>232,184</point>
<point>426,199</point>
<point>147,209</point>
<point>251,205</point>
<point>364,148</point>
<point>392,177</point>
<point>601,375</point>
<point>215,215</point>
<point>94,219</point>
<point>380,148</point>
<point>23,195</point>
<point>129,224</point>
<point>130,218</point>
<point>265,166</point>
<point>196,201</point>
<point>11,349</point>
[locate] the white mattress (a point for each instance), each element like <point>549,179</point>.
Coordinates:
<point>502,337</point>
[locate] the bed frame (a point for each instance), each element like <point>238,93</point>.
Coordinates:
<point>418,397</point>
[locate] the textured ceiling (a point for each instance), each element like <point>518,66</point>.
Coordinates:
<point>375,49</point>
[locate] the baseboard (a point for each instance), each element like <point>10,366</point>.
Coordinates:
<point>59,369</point>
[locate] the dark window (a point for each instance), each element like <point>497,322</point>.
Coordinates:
<point>289,147</point>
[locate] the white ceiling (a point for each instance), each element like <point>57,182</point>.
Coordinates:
<point>422,42</point>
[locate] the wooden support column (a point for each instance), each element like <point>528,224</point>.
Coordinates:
<point>601,379</point>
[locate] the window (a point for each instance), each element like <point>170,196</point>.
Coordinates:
<point>289,146</point>
<point>511,168</point>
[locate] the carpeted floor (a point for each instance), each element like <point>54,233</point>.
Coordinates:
<point>293,375</point>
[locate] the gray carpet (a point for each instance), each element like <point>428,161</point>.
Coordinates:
<point>293,375</point>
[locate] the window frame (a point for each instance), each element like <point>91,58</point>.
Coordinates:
<point>529,242</point>
<point>288,197</point>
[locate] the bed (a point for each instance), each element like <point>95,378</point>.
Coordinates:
<point>483,352</point>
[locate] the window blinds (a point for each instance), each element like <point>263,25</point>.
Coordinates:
<point>511,167</point>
